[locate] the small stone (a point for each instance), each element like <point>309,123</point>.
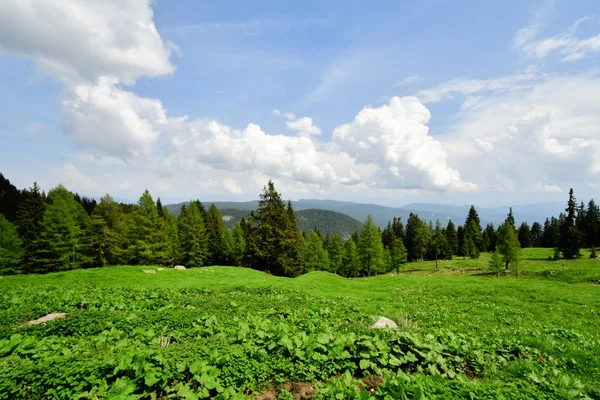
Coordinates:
<point>161,269</point>
<point>149,271</point>
<point>383,322</point>
<point>179,267</point>
<point>46,318</point>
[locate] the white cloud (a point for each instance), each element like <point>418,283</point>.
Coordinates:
<point>288,115</point>
<point>230,184</point>
<point>468,86</point>
<point>566,44</point>
<point>408,81</point>
<point>74,179</point>
<point>395,138</point>
<point>304,126</point>
<point>541,188</point>
<point>105,38</point>
<point>276,112</point>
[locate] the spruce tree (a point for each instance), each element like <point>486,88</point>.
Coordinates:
<point>351,266</point>
<point>524,235</point>
<point>215,229</point>
<point>398,228</point>
<point>227,248</point>
<point>159,209</point>
<point>495,263</point>
<point>397,255</point>
<point>272,243</point>
<point>30,216</point>
<point>146,234</point>
<point>336,254</point>
<point>485,241</point>
<point>11,251</point>
<point>172,255</point>
<point>592,224</point>
<point>388,236</point>
<point>239,244</point>
<point>460,234</point>
<point>492,236</point>
<point>315,256</point>
<point>510,219</point>
<point>64,241</point>
<point>473,239</point>
<point>452,237</point>
<point>536,234</point>
<point>370,248</point>
<point>474,225</point>
<point>193,238</point>
<point>416,237</point>
<point>509,246</point>
<point>569,239</point>
<point>10,198</point>
<point>107,228</point>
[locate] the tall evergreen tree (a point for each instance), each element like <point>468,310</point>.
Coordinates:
<point>510,219</point>
<point>397,255</point>
<point>551,233</point>
<point>439,248</point>
<point>11,251</point>
<point>569,240</point>
<point>30,217</point>
<point>580,222</point>
<point>485,241</point>
<point>215,229</point>
<point>336,254</point>
<point>592,224</point>
<point>9,199</point>
<point>452,237</point>
<point>492,236</point>
<point>239,244</point>
<point>107,228</point>
<point>398,228</point>
<point>473,240</point>
<point>351,265</point>
<point>388,236</point>
<point>509,247</point>
<point>537,234</point>
<point>159,209</point>
<point>172,255</point>
<point>272,244</point>
<point>193,238</point>
<point>525,236</point>
<point>315,255</point>
<point>474,224</point>
<point>227,248</point>
<point>416,237</point>
<point>64,240</point>
<point>370,248</point>
<point>146,236</point>
<point>460,234</point>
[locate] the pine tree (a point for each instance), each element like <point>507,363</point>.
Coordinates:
<point>460,234</point>
<point>439,249</point>
<point>107,228</point>
<point>416,237</point>
<point>398,228</point>
<point>592,224</point>
<point>550,234</point>
<point>524,235</point>
<point>239,244</point>
<point>336,254</point>
<point>536,234</point>
<point>30,216</point>
<point>146,234</point>
<point>315,256</point>
<point>370,248</point>
<point>485,241</point>
<point>64,241</point>
<point>193,238</point>
<point>397,255</point>
<point>452,237</point>
<point>510,219</point>
<point>495,263</point>
<point>492,236</point>
<point>272,243</point>
<point>509,247</point>
<point>388,236</point>
<point>159,209</point>
<point>11,251</point>
<point>351,266</point>
<point>10,197</point>
<point>172,255</point>
<point>227,248</point>
<point>474,230</point>
<point>215,228</point>
<point>569,240</point>
<point>473,239</point>
<point>580,222</point>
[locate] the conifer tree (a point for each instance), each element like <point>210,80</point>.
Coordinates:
<point>336,254</point>
<point>10,198</point>
<point>492,236</point>
<point>473,239</point>
<point>473,224</point>
<point>524,235</point>
<point>452,237</point>
<point>315,256</point>
<point>193,238</point>
<point>351,266</point>
<point>509,246</point>
<point>172,255</point>
<point>416,237</point>
<point>460,234</point>
<point>159,209</point>
<point>107,228</point>
<point>239,244</point>
<point>495,263</point>
<point>398,228</point>
<point>510,219</point>
<point>370,248</point>
<point>536,234</point>
<point>485,241</point>
<point>388,236</point>
<point>215,229</point>
<point>227,248</point>
<point>592,224</point>
<point>64,240</point>
<point>397,255</point>
<point>30,216</point>
<point>569,239</point>
<point>146,235</point>
<point>11,251</point>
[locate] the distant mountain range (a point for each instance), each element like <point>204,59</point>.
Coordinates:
<point>382,214</point>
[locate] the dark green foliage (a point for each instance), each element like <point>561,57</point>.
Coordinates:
<point>192,235</point>
<point>438,247</point>
<point>492,237</point>
<point>64,242</point>
<point>570,238</point>
<point>509,247</point>
<point>416,237</point>
<point>336,254</point>
<point>87,203</point>
<point>452,237</point>
<point>272,243</point>
<point>239,244</point>
<point>473,240</point>
<point>351,263</point>
<point>107,228</point>
<point>510,219</point>
<point>11,252</point>
<point>537,235</point>
<point>592,224</point>
<point>315,256</point>
<point>328,222</point>
<point>485,241</point>
<point>215,230</point>
<point>525,236</point>
<point>496,264</point>
<point>30,216</point>
<point>460,234</point>
<point>550,233</point>
<point>159,209</point>
<point>388,236</point>
<point>370,248</point>
<point>9,199</point>
<point>397,255</point>
<point>146,234</point>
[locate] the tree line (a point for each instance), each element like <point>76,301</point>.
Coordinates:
<point>62,230</point>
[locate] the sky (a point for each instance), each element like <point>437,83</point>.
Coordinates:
<point>385,102</point>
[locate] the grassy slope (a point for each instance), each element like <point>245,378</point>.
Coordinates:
<point>553,315</point>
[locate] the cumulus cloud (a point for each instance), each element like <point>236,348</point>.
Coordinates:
<point>566,44</point>
<point>74,179</point>
<point>105,38</point>
<point>230,184</point>
<point>304,126</point>
<point>395,137</point>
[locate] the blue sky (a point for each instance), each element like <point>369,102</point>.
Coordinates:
<point>387,102</point>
